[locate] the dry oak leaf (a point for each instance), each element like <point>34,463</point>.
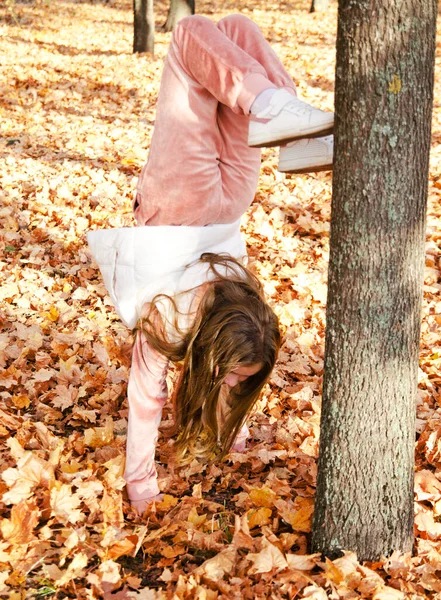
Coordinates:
<point>268,559</point>
<point>19,528</point>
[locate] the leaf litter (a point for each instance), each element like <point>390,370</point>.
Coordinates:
<point>77,112</point>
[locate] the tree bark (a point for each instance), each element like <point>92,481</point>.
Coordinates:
<point>177,11</point>
<point>384,95</point>
<point>143,26</point>
<point>319,6</point>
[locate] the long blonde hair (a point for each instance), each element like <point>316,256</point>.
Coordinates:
<point>233,326</point>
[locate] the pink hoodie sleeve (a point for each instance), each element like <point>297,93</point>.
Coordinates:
<point>147,393</point>
<point>241,439</point>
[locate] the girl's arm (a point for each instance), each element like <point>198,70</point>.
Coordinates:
<point>241,439</point>
<point>147,393</point>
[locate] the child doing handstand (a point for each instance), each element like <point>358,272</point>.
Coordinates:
<point>224,94</point>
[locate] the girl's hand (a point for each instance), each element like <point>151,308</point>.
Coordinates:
<point>141,506</point>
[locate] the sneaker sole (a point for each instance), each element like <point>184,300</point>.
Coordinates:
<point>285,139</point>
<point>310,169</point>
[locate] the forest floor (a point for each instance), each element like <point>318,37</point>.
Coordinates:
<point>77,110</point>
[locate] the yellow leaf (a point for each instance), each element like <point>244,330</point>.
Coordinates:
<point>172,551</point>
<point>263,496</point>
<point>259,517</point>
<point>333,572</point>
<point>73,467</point>
<point>99,436</point>
<point>21,401</point>
<point>395,85</point>
<point>299,515</point>
<point>166,503</point>
<point>53,314</point>
<point>19,528</point>
<point>196,519</point>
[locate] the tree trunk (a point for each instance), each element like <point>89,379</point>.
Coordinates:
<point>384,93</point>
<point>319,6</point>
<point>144,26</point>
<point>177,11</point>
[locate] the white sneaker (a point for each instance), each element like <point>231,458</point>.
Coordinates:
<point>307,156</point>
<point>289,119</point>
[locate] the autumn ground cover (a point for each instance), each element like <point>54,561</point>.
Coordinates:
<point>77,113</point>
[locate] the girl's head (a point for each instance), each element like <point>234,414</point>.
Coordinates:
<point>228,355</point>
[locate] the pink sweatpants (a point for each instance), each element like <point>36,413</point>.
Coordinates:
<point>200,169</point>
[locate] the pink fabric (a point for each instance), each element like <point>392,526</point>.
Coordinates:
<point>147,393</point>
<point>200,169</point>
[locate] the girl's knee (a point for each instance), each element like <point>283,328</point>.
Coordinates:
<point>192,22</point>
<point>236,20</point>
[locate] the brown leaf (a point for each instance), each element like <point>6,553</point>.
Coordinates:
<point>19,529</point>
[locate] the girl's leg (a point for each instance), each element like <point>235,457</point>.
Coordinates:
<point>245,34</point>
<point>200,169</point>
<point>239,164</point>
<point>185,179</point>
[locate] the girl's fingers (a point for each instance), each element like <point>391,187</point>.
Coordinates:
<point>141,505</point>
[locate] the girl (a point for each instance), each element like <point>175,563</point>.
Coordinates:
<point>182,284</point>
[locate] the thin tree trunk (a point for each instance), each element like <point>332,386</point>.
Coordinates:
<point>143,26</point>
<point>384,93</point>
<point>178,10</point>
<point>319,6</point>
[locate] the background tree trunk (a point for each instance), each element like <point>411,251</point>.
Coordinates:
<point>384,92</point>
<point>177,11</point>
<point>319,5</point>
<point>143,26</point>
